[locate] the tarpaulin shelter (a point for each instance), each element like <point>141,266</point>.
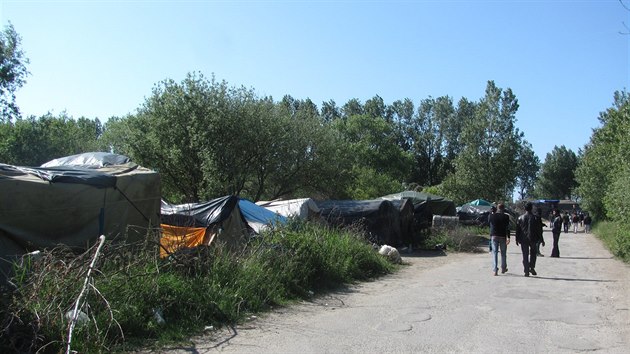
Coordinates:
<point>303,208</point>
<point>259,218</point>
<point>474,214</point>
<point>407,220</point>
<point>436,204</point>
<point>378,218</point>
<point>480,202</point>
<point>198,224</point>
<point>72,203</point>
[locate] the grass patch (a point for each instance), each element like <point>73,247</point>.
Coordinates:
<point>132,290</point>
<point>616,237</point>
<point>458,238</point>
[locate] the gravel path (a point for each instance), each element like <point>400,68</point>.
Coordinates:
<point>451,303</point>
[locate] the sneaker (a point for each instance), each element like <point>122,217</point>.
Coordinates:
<point>533,271</point>
<point>503,271</point>
<point>526,275</point>
<point>496,273</point>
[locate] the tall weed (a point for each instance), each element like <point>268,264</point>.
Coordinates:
<point>136,299</point>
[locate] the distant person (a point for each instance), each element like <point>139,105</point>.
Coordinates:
<point>493,210</point>
<point>575,222</point>
<point>587,223</point>
<point>499,238</point>
<point>556,228</point>
<point>565,221</point>
<point>528,234</point>
<point>542,224</point>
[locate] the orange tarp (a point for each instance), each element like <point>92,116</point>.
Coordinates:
<point>175,237</point>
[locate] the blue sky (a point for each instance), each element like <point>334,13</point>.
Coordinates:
<point>563,59</point>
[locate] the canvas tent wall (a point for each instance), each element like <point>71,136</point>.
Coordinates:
<point>379,218</point>
<point>303,208</point>
<point>220,220</point>
<point>407,221</point>
<point>72,205</point>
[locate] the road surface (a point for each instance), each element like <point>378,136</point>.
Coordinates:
<point>451,303</point>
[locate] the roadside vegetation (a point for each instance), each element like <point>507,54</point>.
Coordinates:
<point>616,237</point>
<point>134,298</point>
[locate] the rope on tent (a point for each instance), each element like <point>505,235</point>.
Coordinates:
<point>132,204</point>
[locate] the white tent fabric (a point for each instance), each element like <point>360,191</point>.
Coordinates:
<point>303,208</point>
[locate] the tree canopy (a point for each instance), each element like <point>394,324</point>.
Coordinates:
<point>604,171</point>
<point>13,72</point>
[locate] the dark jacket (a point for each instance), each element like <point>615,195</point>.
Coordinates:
<point>528,230</point>
<point>499,224</point>
<point>556,224</point>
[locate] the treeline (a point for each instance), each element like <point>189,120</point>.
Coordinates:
<point>208,138</point>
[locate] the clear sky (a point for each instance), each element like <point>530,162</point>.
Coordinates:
<point>563,59</point>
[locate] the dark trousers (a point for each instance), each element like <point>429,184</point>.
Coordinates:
<point>555,252</point>
<point>529,256</point>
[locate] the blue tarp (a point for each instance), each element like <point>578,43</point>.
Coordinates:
<point>258,215</point>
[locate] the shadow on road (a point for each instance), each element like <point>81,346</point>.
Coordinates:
<point>424,253</point>
<point>575,279</point>
<point>585,257</point>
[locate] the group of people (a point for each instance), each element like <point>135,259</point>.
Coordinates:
<point>529,235</point>
<point>576,219</point>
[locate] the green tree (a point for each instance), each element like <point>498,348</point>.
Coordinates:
<point>603,170</point>
<point>208,139</point>
<point>486,165</point>
<point>13,72</point>
<point>557,175</point>
<point>528,167</point>
<point>352,108</point>
<point>330,111</point>
<point>34,141</point>
<point>372,145</point>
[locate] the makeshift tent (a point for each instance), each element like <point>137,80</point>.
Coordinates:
<point>304,208</point>
<point>379,218</point>
<point>435,204</point>
<point>259,218</point>
<point>219,220</point>
<point>474,214</point>
<point>407,220</point>
<point>73,205</point>
<point>479,202</point>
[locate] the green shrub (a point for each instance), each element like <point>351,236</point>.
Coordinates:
<point>616,237</point>
<point>132,290</point>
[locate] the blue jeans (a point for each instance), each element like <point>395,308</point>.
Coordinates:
<point>499,243</point>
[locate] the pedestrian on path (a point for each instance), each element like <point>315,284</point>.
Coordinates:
<point>542,224</point>
<point>493,210</point>
<point>499,238</point>
<point>575,220</point>
<point>528,233</point>
<point>587,223</point>
<point>556,228</point>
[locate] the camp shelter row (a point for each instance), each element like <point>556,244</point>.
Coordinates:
<point>72,200</point>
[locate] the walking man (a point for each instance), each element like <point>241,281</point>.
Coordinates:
<point>528,234</point>
<point>499,238</point>
<point>556,228</point>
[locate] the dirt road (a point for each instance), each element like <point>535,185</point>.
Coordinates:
<point>451,303</point>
